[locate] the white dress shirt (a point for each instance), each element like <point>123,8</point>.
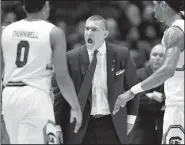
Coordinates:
<point>100,103</point>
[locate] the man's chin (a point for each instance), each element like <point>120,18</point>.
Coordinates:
<point>160,20</point>
<point>89,45</point>
<point>157,18</point>
<point>156,67</point>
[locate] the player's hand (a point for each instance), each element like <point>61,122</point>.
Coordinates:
<point>122,100</point>
<point>76,115</point>
<point>157,96</point>
<point>129,127</point>
<point>59,134</point>
<point>149,95</point>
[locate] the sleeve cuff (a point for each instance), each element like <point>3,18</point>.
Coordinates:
<point>131,119</point>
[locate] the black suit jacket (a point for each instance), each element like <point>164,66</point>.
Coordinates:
<point>118,58</point>
<point>148,106</point>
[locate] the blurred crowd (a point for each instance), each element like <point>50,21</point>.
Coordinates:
<point>130,23</point>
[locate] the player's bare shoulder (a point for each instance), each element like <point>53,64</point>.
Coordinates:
<point>2,29</point>
<point>174,37</point>
<point>57,35</point>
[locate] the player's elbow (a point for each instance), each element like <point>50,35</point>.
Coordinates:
<point>61,79</point>
<point>62,75</point>
<point>169,71</point>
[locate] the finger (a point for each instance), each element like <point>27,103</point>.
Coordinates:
<point>123,105</point>
<point>61,138</point>
<point>119,99</point>
<point>58,139</point>
<point>116,109</point>
<point>71,119</point>
<point>77,127</point>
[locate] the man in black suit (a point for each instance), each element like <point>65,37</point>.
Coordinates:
<point>100,72</point>
<point>149,123</point>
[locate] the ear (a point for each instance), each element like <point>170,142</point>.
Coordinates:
<point>24,8</point>
<point>106,34</point>
<point>163,4</point>
<point>47,5</point>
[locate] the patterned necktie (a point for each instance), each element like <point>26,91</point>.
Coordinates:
<point>87,83</point>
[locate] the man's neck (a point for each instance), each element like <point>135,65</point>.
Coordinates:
<point>96,47</point>
<point>36,16</point>
<point>172,19</point>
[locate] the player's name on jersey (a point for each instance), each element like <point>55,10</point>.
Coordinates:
<point>28,34</point>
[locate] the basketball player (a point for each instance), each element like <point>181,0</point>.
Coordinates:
<point>172,71</point>
<point>30,49</point>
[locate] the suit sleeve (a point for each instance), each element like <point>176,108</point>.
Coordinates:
<point>129,81</point>
<point>145,102</point>
<point>149,104</point>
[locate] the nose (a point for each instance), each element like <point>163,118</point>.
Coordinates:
<point>89,32</point>
<point>157,57</point>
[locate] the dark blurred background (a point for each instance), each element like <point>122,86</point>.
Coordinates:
<point>130,23</point>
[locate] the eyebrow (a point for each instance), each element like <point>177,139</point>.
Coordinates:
<point>91,27</point>
<point>157,53</point>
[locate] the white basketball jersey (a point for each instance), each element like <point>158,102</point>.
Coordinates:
<point>174,86</point>
<point>27,53</point>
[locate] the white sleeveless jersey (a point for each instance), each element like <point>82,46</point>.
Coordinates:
<point>27,53</point>
<point>174,86</point>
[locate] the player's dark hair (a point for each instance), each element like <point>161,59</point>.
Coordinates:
<point>33,6</point>
<point>177,6</point>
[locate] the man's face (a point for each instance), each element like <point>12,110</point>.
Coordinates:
<point>94,34</point>
<point>159,11</point>
<point>157,57</point>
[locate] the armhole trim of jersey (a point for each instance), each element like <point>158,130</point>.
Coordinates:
<point>50,39</point>
<point>181,30</point>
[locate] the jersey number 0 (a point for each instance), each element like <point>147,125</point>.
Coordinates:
<point>22,53</point>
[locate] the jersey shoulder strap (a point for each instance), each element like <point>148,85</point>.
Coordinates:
<point>179,24</point>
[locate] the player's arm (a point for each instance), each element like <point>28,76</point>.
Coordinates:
<point>58,42</point>
<point>174,43</point>
<point>2,60</point>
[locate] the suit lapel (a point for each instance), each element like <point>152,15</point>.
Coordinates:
<point>84,60</point>
<point>111,61</point>
<point>84,64</point>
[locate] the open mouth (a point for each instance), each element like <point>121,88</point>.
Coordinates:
<point>90,40</point>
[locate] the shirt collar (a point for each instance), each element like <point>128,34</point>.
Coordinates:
<point>101,50</point>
